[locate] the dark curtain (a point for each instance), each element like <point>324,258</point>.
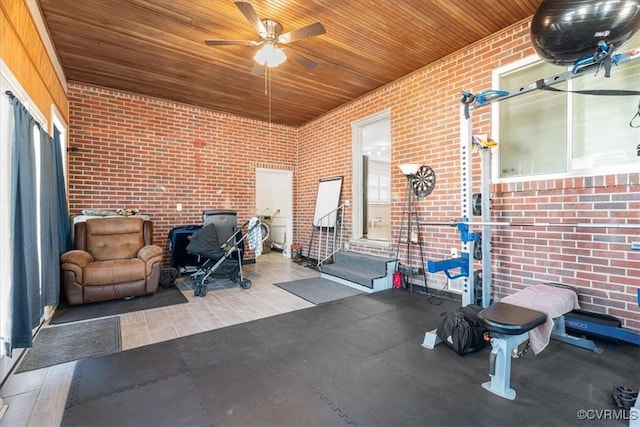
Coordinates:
<point>25,281</point>
<point>49,240</point>
<point>64,223</point>
<point>35,280</point>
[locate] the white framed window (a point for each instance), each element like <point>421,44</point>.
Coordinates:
<point>542,134</point>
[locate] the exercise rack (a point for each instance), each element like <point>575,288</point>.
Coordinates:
<point>468,237</point>
<point>465,262</point>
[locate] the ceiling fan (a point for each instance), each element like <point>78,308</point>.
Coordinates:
<point>271,37</point>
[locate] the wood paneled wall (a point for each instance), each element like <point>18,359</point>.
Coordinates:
<point>23,52</point>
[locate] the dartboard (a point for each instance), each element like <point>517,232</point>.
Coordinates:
<point>424,181</point>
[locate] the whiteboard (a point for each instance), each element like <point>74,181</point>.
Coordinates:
<point>328,200</point>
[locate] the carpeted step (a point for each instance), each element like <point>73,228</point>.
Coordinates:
<point>362,269</point>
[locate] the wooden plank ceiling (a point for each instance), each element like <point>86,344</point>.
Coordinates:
<point>156,47</point>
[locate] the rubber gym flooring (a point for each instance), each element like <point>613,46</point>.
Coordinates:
<point>356,361</point>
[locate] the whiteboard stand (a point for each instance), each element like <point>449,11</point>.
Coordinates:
<point>325,217</point>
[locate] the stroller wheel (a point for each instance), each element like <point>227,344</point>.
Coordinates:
<point>200,290</point>
<point>245,283</point>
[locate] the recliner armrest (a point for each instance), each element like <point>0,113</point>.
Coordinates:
<point>150,254</point>
<point>76,257</point>
<point>150,251</point>
<point>75,260</point>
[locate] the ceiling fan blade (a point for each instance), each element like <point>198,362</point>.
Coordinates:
<point>230,42</point>
<point>307,63</point>
<point>302,33</point>
<point>249,12</point>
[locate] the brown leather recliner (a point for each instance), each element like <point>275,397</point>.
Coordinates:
<point>113,258</point>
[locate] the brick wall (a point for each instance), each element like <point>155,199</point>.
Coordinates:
<point>425,129</point>
<point>150,154</point>
<point>596,259</point>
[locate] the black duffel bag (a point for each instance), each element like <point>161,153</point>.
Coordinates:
<point>462,330</point>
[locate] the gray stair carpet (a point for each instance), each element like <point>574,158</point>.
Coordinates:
<point>357,268</point>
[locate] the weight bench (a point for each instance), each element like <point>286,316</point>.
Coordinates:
<point>509,326</point>
<point>528,314</point>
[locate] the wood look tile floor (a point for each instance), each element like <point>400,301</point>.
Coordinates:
<point>38,397</point>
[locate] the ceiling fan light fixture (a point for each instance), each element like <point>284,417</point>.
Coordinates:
<point>270,55</point>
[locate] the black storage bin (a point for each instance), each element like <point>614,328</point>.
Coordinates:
<point>178,241</point>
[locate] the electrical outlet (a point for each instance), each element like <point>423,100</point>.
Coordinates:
<point>179,207</point>
<point>454,252</point>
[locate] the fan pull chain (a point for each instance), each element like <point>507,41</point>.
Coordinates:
<point>267,73</point>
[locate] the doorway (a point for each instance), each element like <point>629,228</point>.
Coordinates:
<point>274,207</point>
<point>372,178</point>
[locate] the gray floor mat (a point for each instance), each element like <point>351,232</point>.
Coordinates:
<point>162,298</point>
<point>318,290</point>
<point>128,369</point>
<point>137,406</point>
<point>355,361</point>
<point>61,344</point>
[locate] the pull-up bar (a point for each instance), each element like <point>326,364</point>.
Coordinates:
<point>492,95</point>
<point>529,224</point>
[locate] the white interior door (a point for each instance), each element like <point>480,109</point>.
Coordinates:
<point>274,198</point>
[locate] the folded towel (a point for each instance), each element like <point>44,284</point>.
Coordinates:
<point>254,235</point>
<point>554,301</point>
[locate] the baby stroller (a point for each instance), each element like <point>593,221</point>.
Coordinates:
<point>222,259</point>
